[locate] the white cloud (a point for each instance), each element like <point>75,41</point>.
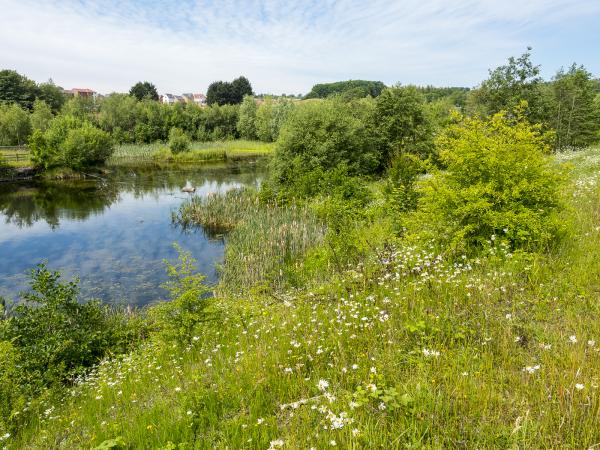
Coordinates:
<point>281,46</point>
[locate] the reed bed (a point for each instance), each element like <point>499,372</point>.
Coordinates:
<point>199,152</point>
<point>261,239</point>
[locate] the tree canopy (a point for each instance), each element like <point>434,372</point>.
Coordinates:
<point>228,93</point>
<point>350,88</point>
<point>144,90</point>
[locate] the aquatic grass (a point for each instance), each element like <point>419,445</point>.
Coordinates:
<point>261,239</point>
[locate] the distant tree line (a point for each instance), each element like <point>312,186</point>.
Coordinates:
<point>348,89</point>
<point>228,93</point>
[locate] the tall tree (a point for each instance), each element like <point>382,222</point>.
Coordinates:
<point>52,95</point>
<point>240,88</point>
<point>144,90</point>
<point>576,119</point>
<point>507,86</point>
<point>226,93</point>
<point>16,88</point>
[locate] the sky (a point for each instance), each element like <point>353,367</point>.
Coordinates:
<point>286,46</point>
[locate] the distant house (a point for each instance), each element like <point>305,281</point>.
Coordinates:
<point>82,92</point>
<point>169,99</point>
<point>199,99</point>
<point>189,98</point>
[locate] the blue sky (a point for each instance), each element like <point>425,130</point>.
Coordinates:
<point>287,46</point>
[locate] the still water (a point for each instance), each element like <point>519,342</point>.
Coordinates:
<point>114,232</point>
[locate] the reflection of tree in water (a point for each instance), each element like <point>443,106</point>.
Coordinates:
<point>25,203</point>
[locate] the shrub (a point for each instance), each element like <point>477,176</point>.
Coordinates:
<point>323,135</point>
<point>178,141</point>
<point>85,146</point>
<point>246,125</point>
<point>55,335</point>
<point>499,183</point>
<point>70,142</point>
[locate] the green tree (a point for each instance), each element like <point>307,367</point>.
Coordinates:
<point>401,123</point>
<point>85,146</point>
<point>52,95</point>
<point>81,107</point>
<point>144,90</point>
<point>41,116</point>
<point>118,114</point>
<point>575,117</point>
<point>15,126</point>
<point>507,86</point>
<point>322,136</point>
<point>240,88</point>
<point>246,125</point>
<point>16,88</point>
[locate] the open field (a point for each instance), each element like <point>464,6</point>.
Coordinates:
<point>15,156</point>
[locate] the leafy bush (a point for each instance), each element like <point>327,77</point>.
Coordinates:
<point>178,141</point>
<point>15,126</point>
<point>86,146</point>
<point>499,183</point>
<point>55,335</point>
<point>70,142</point>
<point>322,135</point>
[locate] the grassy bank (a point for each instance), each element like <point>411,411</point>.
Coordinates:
<point>198,152</point>
<point>401,350</point>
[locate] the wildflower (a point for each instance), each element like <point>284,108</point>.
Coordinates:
<point>323,385</point>
<point>381,406</point>
<point>373,370</point>
<point>196,338</point>
<point>288,370</point>
<point>332,443</point>
<point>431,353</point>
<point>579,386</point>
<point>98,397</point>
<point>591,342</point>
<point>355,432</point>
<point>276,444</point>
<point>6,436</point>
<point>372,387</point>
<point>354,366</point>
<point>573,339</point>
<point>177,389</point>
<point>189,413</point>
<point>531,369</point>
<point>260,421</point>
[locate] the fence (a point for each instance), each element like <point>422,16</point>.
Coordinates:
<point>15,153</point>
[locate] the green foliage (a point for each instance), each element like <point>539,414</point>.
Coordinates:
<point>119,115</point>
<point>16,88</point>
<point>456,96</point>
<point>323,135</point>
<point>350,89</point>
<point>179,142</point>
<point>52,95</point>
<point>83,108</point>
<point>246,125</point>
<point>178,318</point>
<point>85,146</point>
<point>70,142</point>
<point>55,335</point>
<point>144,91</point>
<point>41,116</point>
<point>575,119</point>
<point>507,86</point>
<point>401,123</point>
<point>498,183</point>
<point>15,126</point>
<point>226,93</point>
<point>270,118</point>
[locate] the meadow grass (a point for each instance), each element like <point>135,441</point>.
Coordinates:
<point>15,158</point>
<point>402,350</point>
<point>198,152</point>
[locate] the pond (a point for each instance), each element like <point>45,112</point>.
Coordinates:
<point>112,232</point>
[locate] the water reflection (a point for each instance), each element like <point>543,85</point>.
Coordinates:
<point>113,232</point>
